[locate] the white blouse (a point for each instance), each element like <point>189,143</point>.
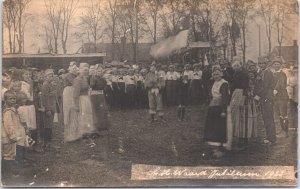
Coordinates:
<point>197,74</point>
<point>27,89</point>
<point>189,73</point>
<point>172,76</point>
<point>129,80</point>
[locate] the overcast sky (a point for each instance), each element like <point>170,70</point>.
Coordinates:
<point>34,41</point>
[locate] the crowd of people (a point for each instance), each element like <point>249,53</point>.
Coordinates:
<point>80,97</point>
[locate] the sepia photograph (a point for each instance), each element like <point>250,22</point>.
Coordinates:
<point>149,93</point>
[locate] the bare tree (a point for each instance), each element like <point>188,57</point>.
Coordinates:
<point>91,21</point>
<point>22,5</point>
<point>48,38</point>
<point>243,8</point>
<point>207,22</point>
<point>171,16</point>
<point>54,14</point>
<point>282,10</point>
<point>153,7</point>
<point>132,10</point>
<point>60,14</point>
<point>110,16</point>
<point>267,10</point>
<point>122,30</point>
<point>9,20</point>
<point>68,8</point>
<point>14,13</point>
<point>232,10</point>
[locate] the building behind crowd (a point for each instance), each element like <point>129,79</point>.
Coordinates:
<point>122,51</point>
<point>289,54</point>
<point>55,61</point>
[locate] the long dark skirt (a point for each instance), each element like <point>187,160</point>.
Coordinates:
<point>115,95</point>
<point>164,96</point>
<point>215,126</point>
<point>183,94</point>
<point>131,96</point>
<point>196,92</point>
<point>139,95</point>
<point>100,117</point>
<point>108,92</point>
<point>171,90</point>
<point>121,96</point>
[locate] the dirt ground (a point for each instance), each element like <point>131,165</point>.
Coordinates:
<point>132,139</point>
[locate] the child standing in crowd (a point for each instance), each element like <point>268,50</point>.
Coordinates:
<point>13,134</point>
<point>49,103</point>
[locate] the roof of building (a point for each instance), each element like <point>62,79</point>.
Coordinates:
<point>288,53</point>
<point>48,55</point>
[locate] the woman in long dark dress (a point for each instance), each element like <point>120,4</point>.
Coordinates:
<point>121,98</point>
<point>98,84</point>
<point>115,88</point>
<point>130,89</point>
<point>171,85</point>
<point>215,131</point>
<point>196,88</point>
<point>239,88</point>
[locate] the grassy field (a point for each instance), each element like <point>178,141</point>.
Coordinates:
<point>132,139</point>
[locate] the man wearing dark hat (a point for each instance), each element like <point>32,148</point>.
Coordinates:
<point>281,97</point>
<point>263,92</point>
